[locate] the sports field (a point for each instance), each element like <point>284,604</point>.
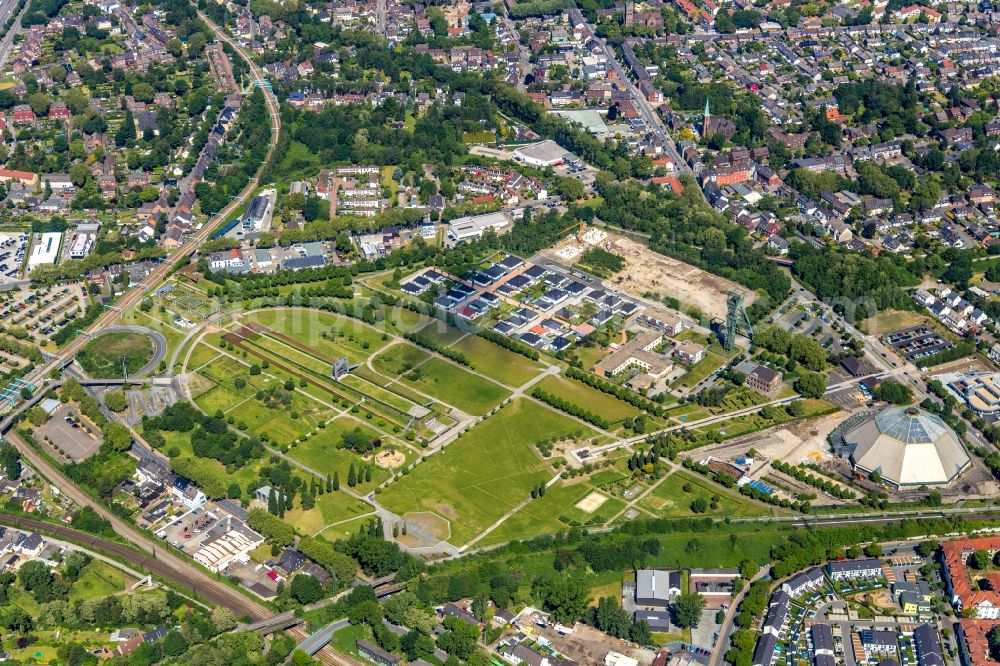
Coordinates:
<point>483,474</point>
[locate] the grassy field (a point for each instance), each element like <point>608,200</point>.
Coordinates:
<point>345,530</point>
<point>456,386</point>
<point>322,452</point>
<point>98,579</point>
<point>890,321</point>
<point>669,500</point>
<point>555,511</point>
<point>398,359</point>
<point>458,486</point>
<point>597,402</point>
<point>496,362</point>
<point>108,355</point>
<point>330,334</point>
<point>330,508</point>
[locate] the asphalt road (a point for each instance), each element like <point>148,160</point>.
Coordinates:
<point>7,8</point>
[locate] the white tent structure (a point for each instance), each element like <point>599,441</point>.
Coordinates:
<point>908,447</point>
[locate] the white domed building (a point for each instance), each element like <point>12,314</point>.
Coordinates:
<point>908,447</point>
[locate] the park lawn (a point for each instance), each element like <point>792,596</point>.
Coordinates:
<point>399,358</point>
<point>458,387</point>
<point>387,396</point>
<point>111,354</point>
<point>556,510</point>
<point>441,333</point>
<point>161,322</point>
<point>669,500</point>
<point>202,354</point>
<point>457,485</point>
<point>597,402</point>
<point>345,530</point>
<point>332,507</point>
<point>289,355</point>
<point>285,426</point>
<point>494,361</point>
<point>350,338</point>
<point>220,397</point>
<point>322,452</point>
<point>98,579</point>
<point>402,320</point>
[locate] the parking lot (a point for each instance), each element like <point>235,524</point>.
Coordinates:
<point>13,247</point>
<point>916,342</point>
<point>42,313</point>
<point>187,533</point>
<point>71,435</point>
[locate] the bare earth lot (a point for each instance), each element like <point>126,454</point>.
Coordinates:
<point>647,271</point>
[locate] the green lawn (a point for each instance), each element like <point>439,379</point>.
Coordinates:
<point>597,402</point>
<point>113,354</point>
<point>555,511</point>
<point>669,500</point>
<point>496,362</point>
<point>398,359</point>
<point>343,531</point>
<point>330,334</point>
<point>322,452</point>
<point>330,508</point>
<point>456,386</point>
<point>484,473</point>
<point>98,579</point>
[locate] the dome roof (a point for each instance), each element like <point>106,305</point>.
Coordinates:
<point>908,447</point>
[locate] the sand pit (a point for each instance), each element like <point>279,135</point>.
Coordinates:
<point>591,502</point>
<point>389,459</point>
<point>649,272</point>
<point>423,529</point>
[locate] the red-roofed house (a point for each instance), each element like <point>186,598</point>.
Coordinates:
<point>59,111</point>
<point>22,115</point>
<point>981,598</point>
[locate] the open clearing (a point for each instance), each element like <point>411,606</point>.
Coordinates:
<point>647,271</point>
<point>670,500</point>
<point>108,355</point>
<point>484,473</point>
<point>597,402</point>
<point>496,362</point>
<point>456,386</point>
